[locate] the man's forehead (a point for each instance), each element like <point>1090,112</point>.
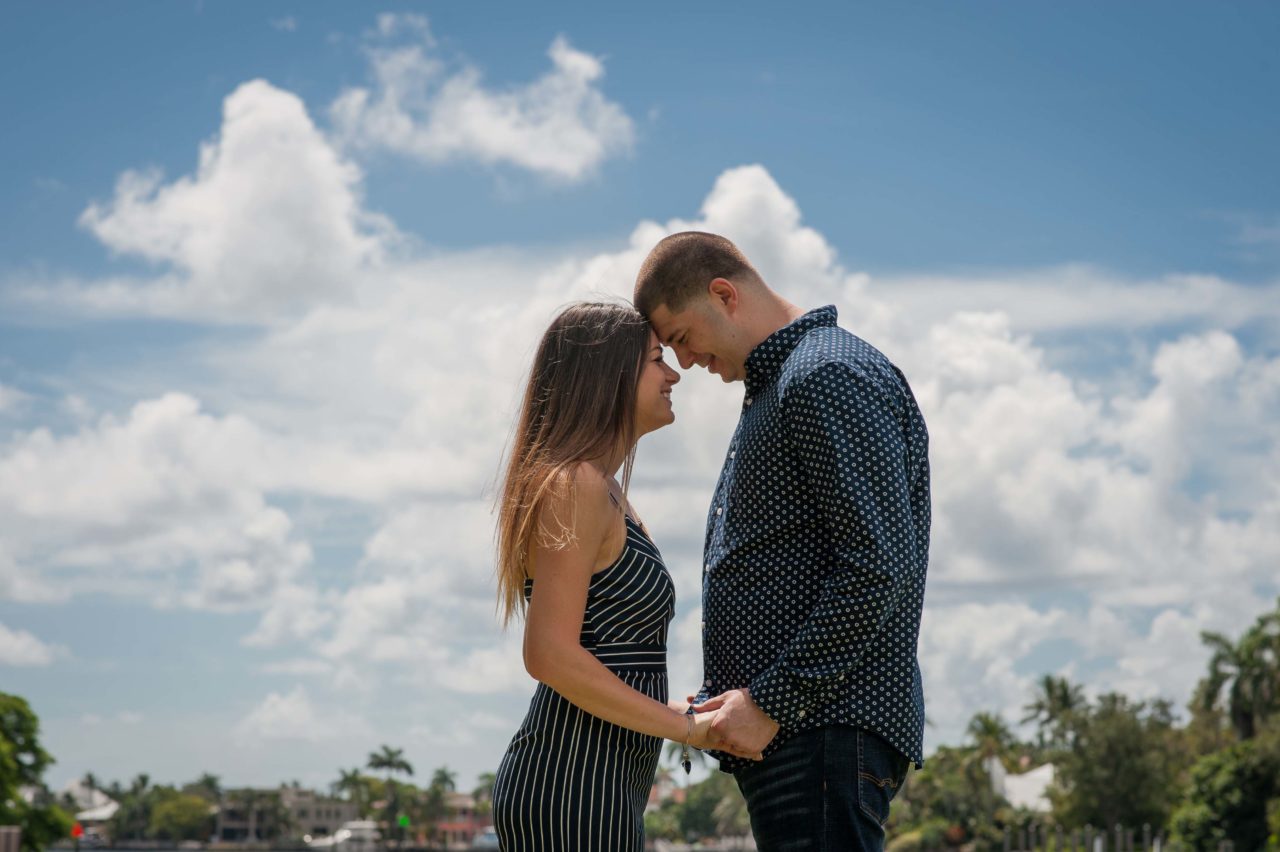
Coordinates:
<point>665,323</point>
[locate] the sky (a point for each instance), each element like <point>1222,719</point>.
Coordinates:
<point>271,276</point>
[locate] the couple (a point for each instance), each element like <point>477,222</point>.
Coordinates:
<point>813,578</point>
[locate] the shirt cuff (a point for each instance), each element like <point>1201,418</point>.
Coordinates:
<point>783,698</point>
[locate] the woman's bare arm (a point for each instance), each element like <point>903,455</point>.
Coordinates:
<point>553,652</point>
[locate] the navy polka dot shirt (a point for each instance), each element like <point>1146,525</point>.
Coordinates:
<point>818,540</point>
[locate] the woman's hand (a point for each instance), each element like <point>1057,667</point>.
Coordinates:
<point>705,738</point>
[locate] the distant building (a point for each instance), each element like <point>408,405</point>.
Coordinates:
<point>462,822</point>
<point>313,815</point>
<point>250,815</point>
<point>93,808</point>
<point>1028,790</point>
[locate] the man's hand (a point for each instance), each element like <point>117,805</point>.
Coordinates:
<point>741,724</point>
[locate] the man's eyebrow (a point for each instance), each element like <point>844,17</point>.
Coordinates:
<point>671,336</point>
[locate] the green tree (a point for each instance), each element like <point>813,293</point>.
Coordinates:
<point>483,792</point>
<point>697,817</point>
<point>391,760</point>
<point>1114,746</point>
<point>435,807</point>
<point>445,779</point>
<point>990,737</point>
<point>1229,795</point>
<point>181,816</point>
<point>22,764</point>
<point>950,797</point>
<point>1052,707</point>
<point>1248,671</point>
<point>355,787</point>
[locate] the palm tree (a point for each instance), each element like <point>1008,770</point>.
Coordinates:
<point>444,779</point>
<point>390,760</point>
<point>140,784</point>
<point>208,786</point>
<point>991,737</point>
<point>1248,670</point>
<point>1056,700</point>
<point>351,783</point>
<point>483,792</point>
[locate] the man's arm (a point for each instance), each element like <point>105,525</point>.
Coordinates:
<point>854,456</point>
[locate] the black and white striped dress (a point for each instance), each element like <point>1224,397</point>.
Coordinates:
<point>569,780</point>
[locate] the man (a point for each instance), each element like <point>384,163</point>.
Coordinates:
<point>816,550</point>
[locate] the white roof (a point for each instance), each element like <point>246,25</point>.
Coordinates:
<point>102,813</point>
<point>1029,790</point>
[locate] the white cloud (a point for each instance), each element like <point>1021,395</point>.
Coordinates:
<point>294,716</point>
<point>21,648</point>
<point>287,24</point>
<point>271,220</point>
<point>560,125</point>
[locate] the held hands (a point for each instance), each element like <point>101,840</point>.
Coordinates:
<point>737,725</point>
<point>706,737</point>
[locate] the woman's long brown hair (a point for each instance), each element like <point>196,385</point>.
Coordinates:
<point>579,404</point>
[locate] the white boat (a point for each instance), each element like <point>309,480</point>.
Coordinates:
<point>358,835</point>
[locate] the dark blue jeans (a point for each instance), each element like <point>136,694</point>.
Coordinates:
<point>826,790</point>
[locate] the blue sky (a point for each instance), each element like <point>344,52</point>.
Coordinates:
<point>250,405</point>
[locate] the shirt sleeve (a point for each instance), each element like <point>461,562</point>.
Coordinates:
<point>853,454</point>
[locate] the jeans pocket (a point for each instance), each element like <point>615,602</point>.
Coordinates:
<point>881,771</point>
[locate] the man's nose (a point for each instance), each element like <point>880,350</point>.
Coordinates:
<point>685,357</point>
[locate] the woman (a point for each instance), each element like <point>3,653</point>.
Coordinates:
<point>595,594</point>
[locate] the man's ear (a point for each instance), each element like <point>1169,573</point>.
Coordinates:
<point>724,294</point>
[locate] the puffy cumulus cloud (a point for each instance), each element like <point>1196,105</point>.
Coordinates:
<point>560,125</point>
<point>969,656</point>
<point>163,504</point>
<point>21,648</point>
<point>294,716</point>
<point>271,219</point>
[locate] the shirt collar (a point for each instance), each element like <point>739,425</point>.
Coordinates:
<point>767,358</point>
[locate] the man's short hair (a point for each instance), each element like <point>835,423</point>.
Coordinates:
<point>682,265</point>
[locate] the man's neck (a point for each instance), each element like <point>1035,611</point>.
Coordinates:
<point>776,313</point>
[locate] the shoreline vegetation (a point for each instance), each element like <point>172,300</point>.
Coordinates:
<point>1211,780</point>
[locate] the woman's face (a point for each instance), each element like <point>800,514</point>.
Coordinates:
<point>653,395</point>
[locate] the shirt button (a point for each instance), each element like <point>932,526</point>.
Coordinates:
<point>748,401</point>
<point>733,453</point>
<point>707,682</point>
<point>800,715</point>
<point>719,509</point>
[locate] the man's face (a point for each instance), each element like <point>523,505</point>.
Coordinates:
<point>703,334</point>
